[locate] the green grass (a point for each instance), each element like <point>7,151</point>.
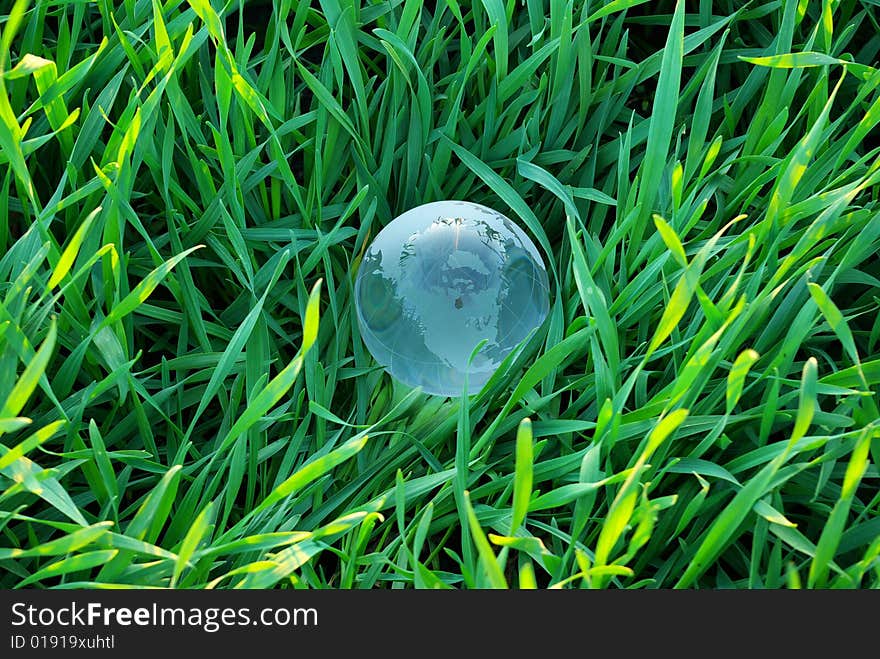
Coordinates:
<point>185,400</point>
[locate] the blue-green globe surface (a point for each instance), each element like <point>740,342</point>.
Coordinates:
<point>437,281</point>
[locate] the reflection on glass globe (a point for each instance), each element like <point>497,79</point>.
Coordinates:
<point>440,279</point>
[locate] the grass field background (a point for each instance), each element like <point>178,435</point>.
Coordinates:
<point>187,189</point>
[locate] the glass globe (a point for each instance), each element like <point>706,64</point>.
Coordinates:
<point>440,279</point>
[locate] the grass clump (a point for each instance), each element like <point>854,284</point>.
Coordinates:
<point>187,189</point>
